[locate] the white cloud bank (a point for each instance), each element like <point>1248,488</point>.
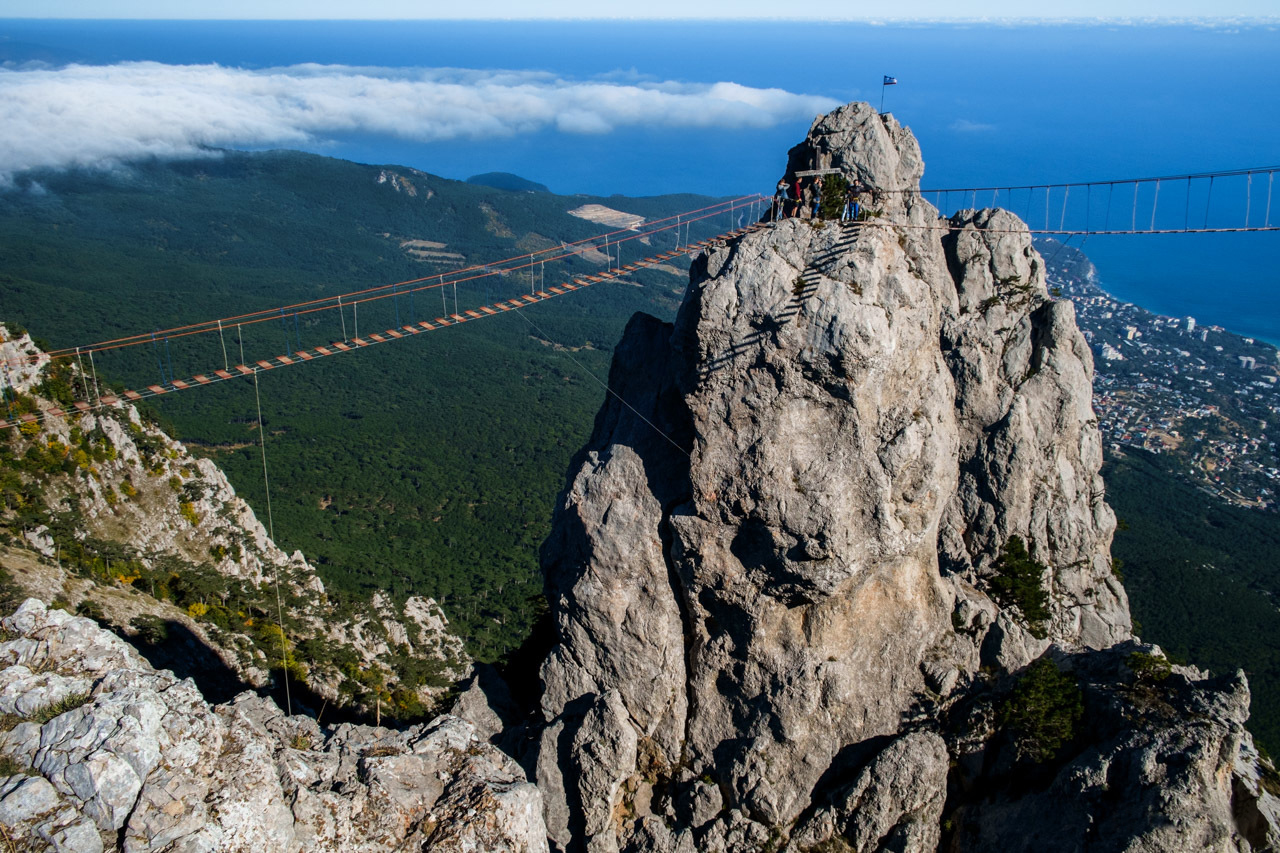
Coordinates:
<point>98,116</point>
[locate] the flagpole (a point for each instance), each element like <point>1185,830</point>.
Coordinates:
<point>882,84</point>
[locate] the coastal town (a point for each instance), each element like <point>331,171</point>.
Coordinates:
<point>1202,395</point>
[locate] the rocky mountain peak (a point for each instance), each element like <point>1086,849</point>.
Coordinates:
<point>868,148</point>
<point>854,486</point>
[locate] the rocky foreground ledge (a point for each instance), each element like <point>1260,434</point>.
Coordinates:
<point>99,751</point>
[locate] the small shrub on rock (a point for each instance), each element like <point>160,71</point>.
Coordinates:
<point>1041,713</point>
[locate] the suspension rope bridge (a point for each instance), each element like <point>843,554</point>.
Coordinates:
<point>1170,204</point>
<point>748,208</point>
<point>1091,212</point>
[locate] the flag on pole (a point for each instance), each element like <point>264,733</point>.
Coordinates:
<point>888,81</point>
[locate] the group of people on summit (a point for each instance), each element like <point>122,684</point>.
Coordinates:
<point>801,199</point>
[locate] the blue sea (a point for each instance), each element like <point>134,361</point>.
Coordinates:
<point>991,105</point>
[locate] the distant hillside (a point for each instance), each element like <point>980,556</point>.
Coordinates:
<point>428,467</point>
<point>507,181</point>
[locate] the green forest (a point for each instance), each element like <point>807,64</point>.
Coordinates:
<point>426,467</point>
<point>1203,577</point>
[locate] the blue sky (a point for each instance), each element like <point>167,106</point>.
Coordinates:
<point>481,9</point>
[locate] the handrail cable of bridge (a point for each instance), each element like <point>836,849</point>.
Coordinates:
<point>513,264</point>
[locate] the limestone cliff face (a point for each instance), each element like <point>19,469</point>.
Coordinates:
<point>771,569</point>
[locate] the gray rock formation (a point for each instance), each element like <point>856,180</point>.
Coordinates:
<point>772,568</point>
<point>118,756</point>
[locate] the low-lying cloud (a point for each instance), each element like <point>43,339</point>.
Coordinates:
<point>964,125</point>
<point>95,116</point>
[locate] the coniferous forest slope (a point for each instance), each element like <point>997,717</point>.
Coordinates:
<point>429,465</point>
<point>1202,576</point>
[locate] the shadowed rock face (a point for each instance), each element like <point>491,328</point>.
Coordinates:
<point>768,568</point>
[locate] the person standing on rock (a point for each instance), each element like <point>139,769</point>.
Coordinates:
<point>850,210</point>
<point>797,198</point>
<point>817,197</point>
<point>780,200</point>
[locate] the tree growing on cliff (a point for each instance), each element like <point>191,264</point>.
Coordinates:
<point>1019,582</point>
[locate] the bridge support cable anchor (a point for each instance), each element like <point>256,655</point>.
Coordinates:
<point>1266,222</point>
<point>284,324</point>
<point>84,377</point>
<point>97,392</point>
<point>1186,214</point>
<point>1248,199</point>
<point>271,530</point>
<point>1208,198</point>
<point>222,338</point>
<point>155,350</point>
<point>1154,203</point>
